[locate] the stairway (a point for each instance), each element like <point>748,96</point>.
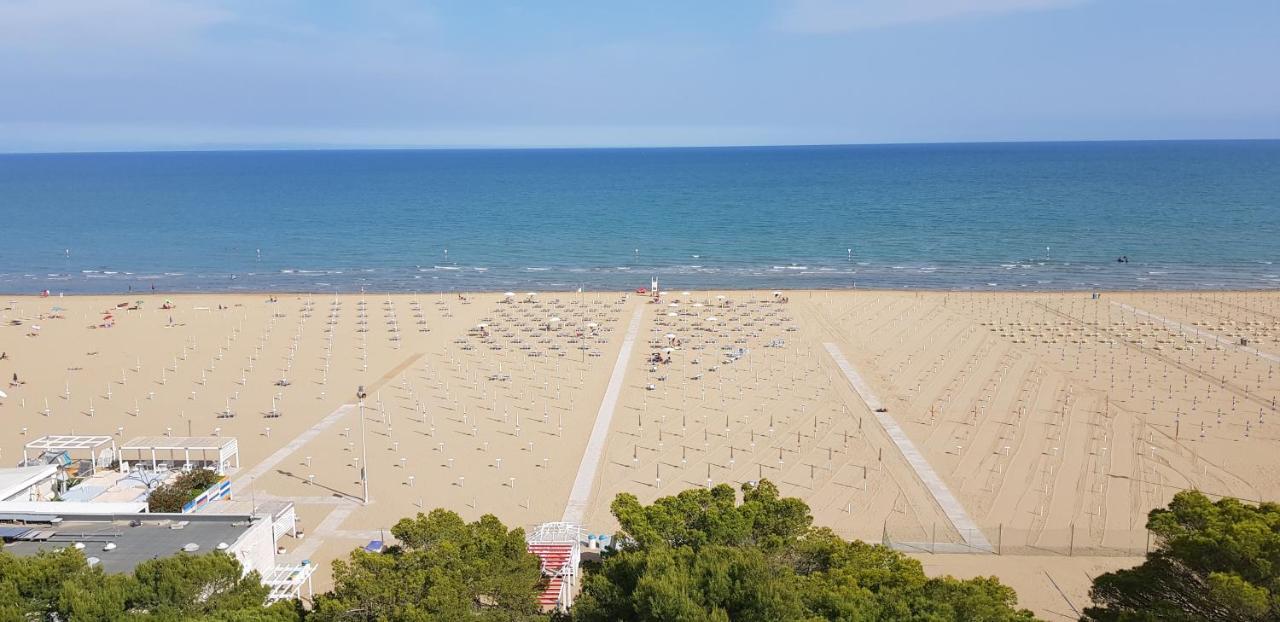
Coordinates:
<point>557,558</point>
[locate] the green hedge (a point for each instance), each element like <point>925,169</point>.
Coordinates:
<point>187,486</point>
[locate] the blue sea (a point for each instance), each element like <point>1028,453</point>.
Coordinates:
<point>1016,216</point>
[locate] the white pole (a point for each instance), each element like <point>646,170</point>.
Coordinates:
<point>364,457</point>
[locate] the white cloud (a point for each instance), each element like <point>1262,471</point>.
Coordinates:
<point>53,24</point>
<point>835,16</point>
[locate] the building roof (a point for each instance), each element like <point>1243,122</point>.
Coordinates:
<point>13,481</point>
<point>70,508</point>
<point>68,443</point>
<point>193,443</point>
<point>134,545</point>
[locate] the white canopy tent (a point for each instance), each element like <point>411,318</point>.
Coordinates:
<point>215,452</point>
<point>101,449</point>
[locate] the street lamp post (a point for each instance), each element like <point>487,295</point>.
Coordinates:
<point>364,453</point>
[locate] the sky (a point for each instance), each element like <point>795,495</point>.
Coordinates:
<point>91,75</point>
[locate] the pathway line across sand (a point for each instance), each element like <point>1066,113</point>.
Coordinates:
<point>248,477</point>
<point>589,468</point>
<point>1196,331</point>
<point>969,532</point>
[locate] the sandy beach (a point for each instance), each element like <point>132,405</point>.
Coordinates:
<point>1040,426</point>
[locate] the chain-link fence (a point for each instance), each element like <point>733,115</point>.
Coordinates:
<point>1074,540</point>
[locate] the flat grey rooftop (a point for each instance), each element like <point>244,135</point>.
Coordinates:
<point>134,545</point>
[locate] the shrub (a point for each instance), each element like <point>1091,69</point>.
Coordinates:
<point>187,486</point>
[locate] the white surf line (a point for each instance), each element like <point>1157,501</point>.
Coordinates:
<point>247,478</point>
<point>580,494</point>
<point>1196,331</point>
<point>969,532</point>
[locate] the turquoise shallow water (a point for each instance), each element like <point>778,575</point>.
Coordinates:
<point>975,216</point>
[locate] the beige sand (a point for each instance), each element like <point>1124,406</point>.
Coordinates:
<point>1036,410</point>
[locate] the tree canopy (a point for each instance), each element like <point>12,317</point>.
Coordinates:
<point>1212,561</point>
<point>442,569</point>
<point>702,555</point>
<point>60,585</point>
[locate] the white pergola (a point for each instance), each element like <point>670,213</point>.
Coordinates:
<point>95,445</point>
<point>221,451</point>
<point>286,581</point>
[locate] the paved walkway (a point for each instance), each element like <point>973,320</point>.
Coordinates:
<point>575,510</point>
<point>969,532</point>
<point>244,480</point>
<point>1199,332</point>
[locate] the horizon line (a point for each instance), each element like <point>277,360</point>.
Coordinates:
<point>335,148</point>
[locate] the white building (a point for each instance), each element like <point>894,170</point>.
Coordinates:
<point>28,483</point>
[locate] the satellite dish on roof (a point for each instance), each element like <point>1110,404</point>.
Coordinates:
<point>222,546</point>
<point>110,546</point>
<point>191,547</point>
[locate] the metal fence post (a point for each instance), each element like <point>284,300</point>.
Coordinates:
<point>933,539</point>
<point>1000,539</point>
<point>1071,543</point>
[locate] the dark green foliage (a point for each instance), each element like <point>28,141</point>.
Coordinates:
<point>698,516</point>
<point>1212,561</point>
<point>701,555</point>
<point>443,569</point>
<point>185,487</point>
<point>60,585</point>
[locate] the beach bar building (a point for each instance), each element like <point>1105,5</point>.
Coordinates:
<point>162,453</point>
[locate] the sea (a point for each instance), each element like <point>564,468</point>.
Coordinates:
<point>993,216</point>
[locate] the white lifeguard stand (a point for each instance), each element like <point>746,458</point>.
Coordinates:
<point>559,546</point>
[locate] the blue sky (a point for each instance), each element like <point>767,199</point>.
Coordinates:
<point>148,74</point>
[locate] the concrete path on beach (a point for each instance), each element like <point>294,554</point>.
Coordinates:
<point>951,507</point>
<point>242,482</point>
<point>589,468</point>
